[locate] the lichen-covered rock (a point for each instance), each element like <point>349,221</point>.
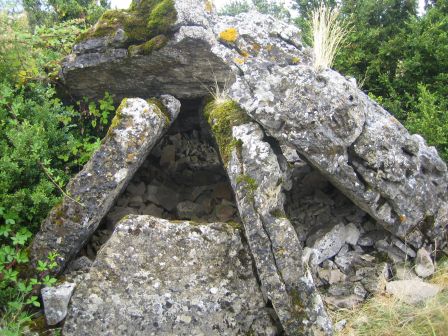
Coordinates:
<point>161,46</point>
<point>328,241</point>
<point>257,179</point>
<point>424,267</point>
<point>156,277</point>
<point>135,129</point>
<point>357,145</point>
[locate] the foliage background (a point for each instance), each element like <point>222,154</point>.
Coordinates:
<point>45,138</point>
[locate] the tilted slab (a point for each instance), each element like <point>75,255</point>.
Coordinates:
<point>135,129</point>
<point>156,277</point>
<point>258,181</point>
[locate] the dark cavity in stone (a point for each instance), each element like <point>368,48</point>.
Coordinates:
<point>181,179</point>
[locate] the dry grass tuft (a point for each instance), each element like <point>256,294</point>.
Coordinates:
<point>386,316</point>
<point>219,94</point>
<point>329,31</point>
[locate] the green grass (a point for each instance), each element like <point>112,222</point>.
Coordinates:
<point>384,315</point>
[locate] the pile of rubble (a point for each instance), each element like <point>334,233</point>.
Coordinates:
<point>354,256</point>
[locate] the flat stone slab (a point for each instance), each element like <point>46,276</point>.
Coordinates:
<point>412,291</point>
<point>136,128</point>
<point>156,277</point>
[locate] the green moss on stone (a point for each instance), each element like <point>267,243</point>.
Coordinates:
<point>116,120</point>
<point>58,214</point>
<point>143,6</point>
<point>277,213</point>
<point>250,185</point>
<point>298,306</point>
<point>222,117</point>
<point>142,22</point>
<point>234,225</point>
<point>147,48</point>
<point>162,17</point>
<point>160,110</point>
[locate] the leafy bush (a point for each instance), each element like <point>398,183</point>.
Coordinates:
<point>429,118</point>
<point>274,8</point>
<point>43,142</point>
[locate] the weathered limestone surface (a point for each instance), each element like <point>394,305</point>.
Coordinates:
<point>156,277</point>
<point>257,179</point>
<point>357,145</point>
<point>136,128</point>
<point>183,67</point>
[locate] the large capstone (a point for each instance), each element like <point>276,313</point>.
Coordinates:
<point>156,277</point>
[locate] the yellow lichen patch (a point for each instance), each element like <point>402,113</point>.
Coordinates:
<point>244,53</point>
<point>239,60</point>
<point>229,35</point>
<point>295,60</point>
<point>256,48</point>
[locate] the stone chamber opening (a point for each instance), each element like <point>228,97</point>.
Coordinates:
<point>181,179</point>
<point>355,253</point>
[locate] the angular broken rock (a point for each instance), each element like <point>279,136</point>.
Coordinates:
<point>424,267</point>
<point>328,241</point>
<point>55,301</point>
<point>135,129</point>
<point>156,277</point>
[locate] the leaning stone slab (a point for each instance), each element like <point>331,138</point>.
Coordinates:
<point>258,180</point>
<point>135,129</point>
<point>156,277</point>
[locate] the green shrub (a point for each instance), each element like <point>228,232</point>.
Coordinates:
<point>43,142</point>
<point>429,118</point>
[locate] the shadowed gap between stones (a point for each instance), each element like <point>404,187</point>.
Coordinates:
<point>182,178</point>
